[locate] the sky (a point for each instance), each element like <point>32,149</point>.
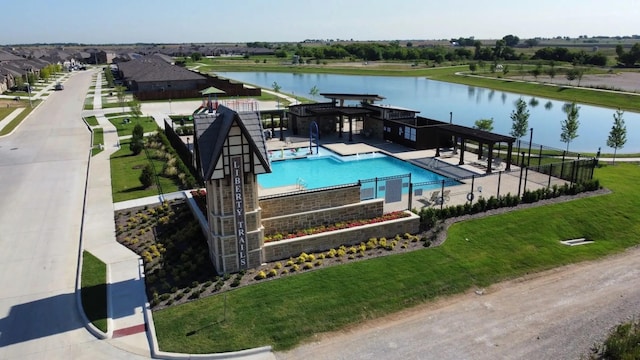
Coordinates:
<point>200,21</point>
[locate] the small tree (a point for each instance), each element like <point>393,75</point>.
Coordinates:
<point>570,125</point>
<point>146,177</point>
<point>136,146</point>
<point>484,124</point>
<point>473,67</point>
<point>314,91</point>
<point>135,107</point>
<point>138,132</point>
<point>276,87</point>
<point>120,94</point>
<point>618,134</point>
<point>520,118</point>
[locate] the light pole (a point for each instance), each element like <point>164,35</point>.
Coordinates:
<point>29,92</point>
<point>530,140</point>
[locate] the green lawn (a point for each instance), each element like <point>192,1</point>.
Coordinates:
<point>18,119</point>
<point>98,138</point>
<point>125,170</point>
<point>147,122</point>
<point>477,253</point>
<point>94,290</point>
<point>91,120</point>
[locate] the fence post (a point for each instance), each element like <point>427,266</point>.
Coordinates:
<point>473,178</point>
<point>499,179</point>
<point>562,167</point>
<point>442,195</point>
<point>540,156</point>
<point>524,186</point>
<point>521,170</point>
<point>376,184</point>
<point>550,172</point>
<point>410,192</point>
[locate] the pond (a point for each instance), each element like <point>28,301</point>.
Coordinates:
<point>463,104</point>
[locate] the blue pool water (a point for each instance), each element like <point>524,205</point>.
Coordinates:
<point>329,169</point>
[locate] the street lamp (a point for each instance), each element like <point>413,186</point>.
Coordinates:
<point>29,92</point>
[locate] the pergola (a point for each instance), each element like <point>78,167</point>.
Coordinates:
<point>349,112</point>
<point>462,134</point>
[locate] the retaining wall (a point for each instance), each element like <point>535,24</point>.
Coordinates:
<point>285,249</point>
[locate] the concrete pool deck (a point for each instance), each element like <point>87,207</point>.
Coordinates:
<point>483,185</point>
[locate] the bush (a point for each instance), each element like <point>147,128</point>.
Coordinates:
<point>146,178</point>
<point>136,146</point>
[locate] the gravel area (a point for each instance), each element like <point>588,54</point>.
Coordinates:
<point>556,314</point>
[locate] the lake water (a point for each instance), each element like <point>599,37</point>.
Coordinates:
<point>436,99</point>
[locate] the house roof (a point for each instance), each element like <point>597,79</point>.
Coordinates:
<point>7,56</point>
<point>152,68</point>
<point>360,97</point>
<point>213,129</point>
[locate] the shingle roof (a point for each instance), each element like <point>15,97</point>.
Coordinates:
<point>152,68</point>
<point>213,129</point>
<point>7,56</point>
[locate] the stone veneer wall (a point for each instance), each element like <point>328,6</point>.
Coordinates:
<point>309,201</point>
<point>293,222</point>
<point>284,249</point>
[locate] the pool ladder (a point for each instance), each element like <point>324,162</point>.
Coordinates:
<point>301,184</point>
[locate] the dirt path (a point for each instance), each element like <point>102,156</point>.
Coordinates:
<point>557,314</point>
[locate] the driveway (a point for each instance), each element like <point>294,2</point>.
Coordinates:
<point>43,168</point>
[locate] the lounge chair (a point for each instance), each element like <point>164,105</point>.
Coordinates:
<point>497,164</point>
<point>435,196</point>
<point>446,195</point>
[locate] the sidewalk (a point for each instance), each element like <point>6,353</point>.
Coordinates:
<point>126,295</point>
<point>4,122</point>
<point>130,321</point>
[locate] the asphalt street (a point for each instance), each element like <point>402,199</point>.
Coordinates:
<point>43,169</point>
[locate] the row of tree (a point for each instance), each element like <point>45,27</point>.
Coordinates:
<point>500,51</point>
<point>520,124</point>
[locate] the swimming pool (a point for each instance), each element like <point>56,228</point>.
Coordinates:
<point>330,169</point>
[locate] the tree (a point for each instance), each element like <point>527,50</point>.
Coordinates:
<point>136,146</point>
<point>520,118</point>
<point>314,91</point>
<point>146,177</point>
<point>473,67</point>
<point>137,140</point>
<point>618,134</point>
<point>511,40</point>
<point>196,56</point>
<point>276,87</point>
<point>120,94</point>
<point>570,124</point>
<point>135,107</point>
<point>484,124</point>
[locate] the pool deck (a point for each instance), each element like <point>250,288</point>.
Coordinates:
<point>484,186</point>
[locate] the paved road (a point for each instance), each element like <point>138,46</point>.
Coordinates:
<point>42,180</point>
<point>558,314</point>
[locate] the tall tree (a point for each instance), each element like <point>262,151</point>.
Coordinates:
<point>520,119</point>
<point>570,124</point>
<point>618,134</point>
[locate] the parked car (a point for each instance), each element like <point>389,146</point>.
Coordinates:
<point>59,87</point>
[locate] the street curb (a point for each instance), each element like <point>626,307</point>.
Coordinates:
<point>23,120</point>
<point>88,325</point>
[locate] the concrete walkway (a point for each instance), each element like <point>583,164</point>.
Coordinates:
<point>4,122</point>
<point>130,321</point>
<point>126,297</point>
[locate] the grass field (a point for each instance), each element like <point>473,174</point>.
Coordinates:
<point>91,120</point>
<point>8,128</point>
<point>125,170</point>
<point>285,312</point>
<point>147,122</point>
<point>94,290</point>
<point>98,139</point>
